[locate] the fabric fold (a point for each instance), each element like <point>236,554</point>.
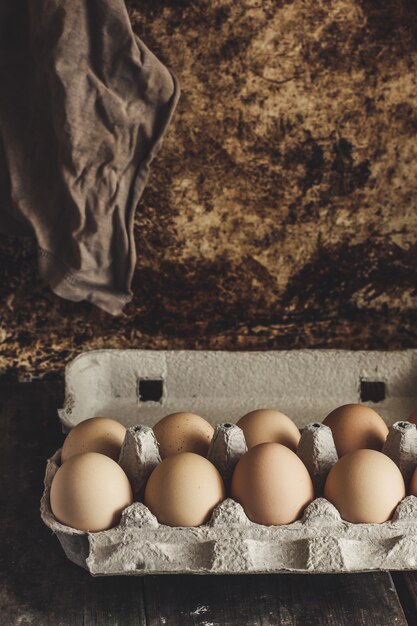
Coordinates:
<point>84,107</point>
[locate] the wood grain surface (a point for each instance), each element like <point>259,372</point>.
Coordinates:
<point>39,586</point>
<point>310,600</point>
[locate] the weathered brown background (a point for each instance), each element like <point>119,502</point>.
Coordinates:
<point>281,211</point>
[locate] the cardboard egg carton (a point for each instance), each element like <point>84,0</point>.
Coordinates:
<point>223,386</point>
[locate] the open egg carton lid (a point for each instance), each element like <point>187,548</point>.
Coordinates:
<point>138,387</point>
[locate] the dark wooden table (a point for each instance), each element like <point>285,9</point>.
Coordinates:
<point>38,585</point>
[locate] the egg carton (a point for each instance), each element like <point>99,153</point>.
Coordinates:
<point>138,387</point>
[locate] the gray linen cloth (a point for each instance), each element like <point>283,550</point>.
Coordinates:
<point>84,105</point>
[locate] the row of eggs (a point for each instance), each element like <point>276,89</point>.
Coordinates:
<point>90,490</point>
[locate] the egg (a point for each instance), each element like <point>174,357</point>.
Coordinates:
<point>272,484</point>
<point>89,492</point>
<point>97,434</point>
<point>184,489</point>
<point>267,425</point>
<point>365,486</point>
<point>183,432</point>
<point>356,426</point>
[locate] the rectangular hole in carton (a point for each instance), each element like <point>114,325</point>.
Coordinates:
<point>150,390</point>
<point>372,391</point>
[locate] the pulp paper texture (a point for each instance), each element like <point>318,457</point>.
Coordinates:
<point>84,105</point>
<point>227,384</point>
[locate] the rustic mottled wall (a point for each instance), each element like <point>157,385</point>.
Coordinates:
<point>281,211</point>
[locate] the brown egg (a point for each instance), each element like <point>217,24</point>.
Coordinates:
<point>183,432</point>
<point>89,492</point>
<point>97,434</point>
<point>356,426</point>
<point>272,484</point>
<point>365,486</point>
<point>413,417</point>
<point>184,489</point>
<point>413,484</point>
<point>267,425</point>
